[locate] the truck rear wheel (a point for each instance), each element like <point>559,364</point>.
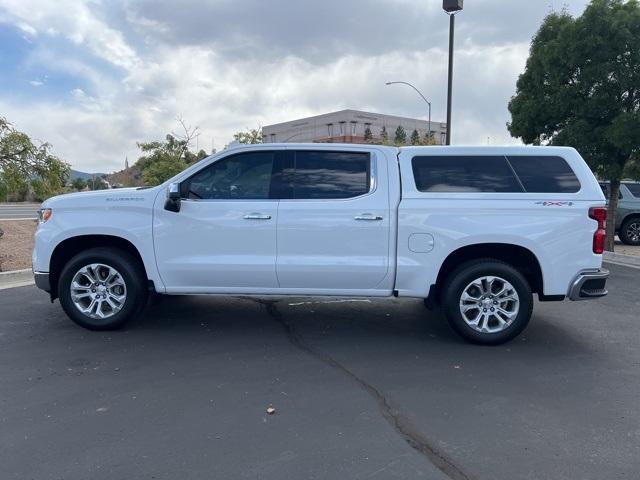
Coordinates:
<point>487,301</point>
<point>102,288</point>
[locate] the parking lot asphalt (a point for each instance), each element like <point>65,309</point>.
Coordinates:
<point>361,389</point>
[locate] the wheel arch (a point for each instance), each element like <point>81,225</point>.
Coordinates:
<point>629,216</point>
<point>71,246</point>
<point>519,257</point>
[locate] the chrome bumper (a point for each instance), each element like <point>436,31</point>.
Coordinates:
<point>589,284</point>
<point>42,281</point>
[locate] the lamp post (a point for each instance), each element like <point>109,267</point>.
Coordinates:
<point>423,97</point>
<point>451,7</point>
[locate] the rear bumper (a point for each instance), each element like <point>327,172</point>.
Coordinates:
<point>589,284</point>
<point>42,281</point>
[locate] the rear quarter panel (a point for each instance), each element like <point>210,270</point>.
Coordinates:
<point>556,228</point>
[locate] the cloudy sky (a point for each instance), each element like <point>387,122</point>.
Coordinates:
<point>94,77</point>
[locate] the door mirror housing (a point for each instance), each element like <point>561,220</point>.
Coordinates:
<point>172,203</point>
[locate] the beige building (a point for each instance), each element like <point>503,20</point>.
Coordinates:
<point>349,126</point>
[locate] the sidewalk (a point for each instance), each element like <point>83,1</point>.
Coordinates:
<point>16,278</point>
<point>624,255</point>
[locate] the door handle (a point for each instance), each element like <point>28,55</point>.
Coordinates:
<point>368,216</point>
<point>257,216</point>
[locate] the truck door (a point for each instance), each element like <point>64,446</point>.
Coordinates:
<point>223,239</point>
<point>334,221</point>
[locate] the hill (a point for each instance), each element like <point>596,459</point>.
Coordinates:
<point>83,175</point>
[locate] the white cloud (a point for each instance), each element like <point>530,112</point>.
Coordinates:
<point>74,20</point>
<point>97,124</point>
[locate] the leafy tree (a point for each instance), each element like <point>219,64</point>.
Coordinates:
<point>28,169</point>
<point>250,136</point>
<point>415,137</point>
<point>384,136</point>
<point>97,183</point>
<point>428,139</point>
<point>400,137</point>
<point>78,184</point>
<point>163,160</point>
<point>368,136</point>
<point>581,87</point>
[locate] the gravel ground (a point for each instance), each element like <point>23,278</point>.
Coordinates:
<point>626,249</point>
<point>16,244</point>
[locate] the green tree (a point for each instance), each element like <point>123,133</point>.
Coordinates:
<point>28,169</point>
<point>581,87</point>
<point>78,184</point>
<point>368,136</point>
<point>97,183</point>
<point>163,160</point>
<point>384,136</point>
<point>428,139</point>
<point>400,137</point>
<point>249,136</point>
<point>415,137</point>
<point>190,157</point>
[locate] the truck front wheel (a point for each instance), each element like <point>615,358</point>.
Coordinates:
<point>487,301</point>
<point>101,288</point>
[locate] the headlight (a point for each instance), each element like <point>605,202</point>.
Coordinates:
<point>44,214</point>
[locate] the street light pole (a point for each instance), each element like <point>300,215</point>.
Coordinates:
<point>452,23</point>
<point>451,7</point>
<point>423,97</point>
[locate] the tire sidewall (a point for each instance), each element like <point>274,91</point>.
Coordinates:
<point>462,277</point>
<point>624,238</point>
<point>125,264</point>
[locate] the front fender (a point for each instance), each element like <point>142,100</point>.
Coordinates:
<point>133,224</point>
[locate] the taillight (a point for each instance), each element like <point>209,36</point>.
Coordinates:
<point>600,215</point>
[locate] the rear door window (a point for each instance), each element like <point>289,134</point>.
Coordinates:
<point>605,190</point>
<point>472,173</point>
<point>328,175</point>
<point>634,188</point>
<point>544,174</point>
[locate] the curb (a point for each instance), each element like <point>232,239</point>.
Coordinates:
<point>16,278</point>
<point>629,260</point>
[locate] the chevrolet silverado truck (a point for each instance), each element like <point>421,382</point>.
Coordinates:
<point>474,231</point>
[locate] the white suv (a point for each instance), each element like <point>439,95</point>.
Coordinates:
<point>475,230</point>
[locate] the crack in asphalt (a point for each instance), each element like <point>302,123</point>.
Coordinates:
<point>391,413</point>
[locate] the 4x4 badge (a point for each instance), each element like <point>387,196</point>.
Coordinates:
<point>555,204</point>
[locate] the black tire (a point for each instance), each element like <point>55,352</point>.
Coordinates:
<point>132,274</point>
<point>630,231</point>
<point>461,278</point>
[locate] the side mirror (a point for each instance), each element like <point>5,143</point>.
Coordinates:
<point>172,203</point>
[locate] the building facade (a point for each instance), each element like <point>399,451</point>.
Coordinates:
<point>350,126</point>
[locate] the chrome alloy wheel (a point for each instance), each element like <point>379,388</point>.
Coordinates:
<point>489,304</point>
<point>633,231</point>
<point>98,291</point>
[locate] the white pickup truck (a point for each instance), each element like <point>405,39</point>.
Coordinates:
<point>477,231</point>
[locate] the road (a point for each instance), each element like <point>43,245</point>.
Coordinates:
<point>362,389</point>
<point>18,210</point>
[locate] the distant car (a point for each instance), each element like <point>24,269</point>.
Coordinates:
<point>628,212</point>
